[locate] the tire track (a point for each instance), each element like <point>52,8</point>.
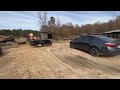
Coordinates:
<point>78,62</point>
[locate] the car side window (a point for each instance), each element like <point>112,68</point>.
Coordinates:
<point>89,38</point>
<point>86,38</point>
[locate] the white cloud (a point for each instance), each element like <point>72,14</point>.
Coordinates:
<point>28,19</point>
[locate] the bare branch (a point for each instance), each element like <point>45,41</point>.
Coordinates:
<point>58,22</point>
<point>42,15</point>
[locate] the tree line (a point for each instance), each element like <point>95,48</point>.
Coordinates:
<point>69,30</point>
<point>18,32</point>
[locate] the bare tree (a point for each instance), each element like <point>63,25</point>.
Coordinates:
<point>58,22</point>
<point>114,16</point>
<point>42,15</point>
<point>58,26</point>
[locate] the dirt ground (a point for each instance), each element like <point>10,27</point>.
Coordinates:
<point>56,62</point>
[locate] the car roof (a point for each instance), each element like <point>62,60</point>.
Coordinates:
<point>91,35</point>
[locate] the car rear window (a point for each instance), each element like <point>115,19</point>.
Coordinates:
<point>89,38</point>
<point>104,38</point>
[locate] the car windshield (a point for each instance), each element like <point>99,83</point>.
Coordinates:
<point>75,38</point>
<point>104,38</point>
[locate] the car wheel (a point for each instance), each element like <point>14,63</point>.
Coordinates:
<point>71,46</point>
<point>94,52</point>
<point>42,44</point>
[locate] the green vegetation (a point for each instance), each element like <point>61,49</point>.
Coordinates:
<point>18,32</point>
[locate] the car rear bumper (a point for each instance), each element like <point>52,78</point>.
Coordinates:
<point>111,52</point>
<point>114,53</point>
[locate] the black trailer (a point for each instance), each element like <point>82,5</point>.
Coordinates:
<point>40,42</point>
<point>34,41</point>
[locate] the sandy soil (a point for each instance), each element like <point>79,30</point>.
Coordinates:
<point>56,62</point>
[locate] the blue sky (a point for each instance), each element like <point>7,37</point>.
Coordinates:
<point>29,19</point>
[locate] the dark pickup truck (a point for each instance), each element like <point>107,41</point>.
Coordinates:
<point>40,42</point>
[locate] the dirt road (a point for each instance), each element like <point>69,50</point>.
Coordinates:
<point>56,62</point>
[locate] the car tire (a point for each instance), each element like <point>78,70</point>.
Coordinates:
<point>94,52</point>
<point>71,46</point>
<point>42,44</point>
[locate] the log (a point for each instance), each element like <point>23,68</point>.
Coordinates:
<point>21,42</point>
<point>6,39</point>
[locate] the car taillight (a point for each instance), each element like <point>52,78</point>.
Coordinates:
<point>110,44</point>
